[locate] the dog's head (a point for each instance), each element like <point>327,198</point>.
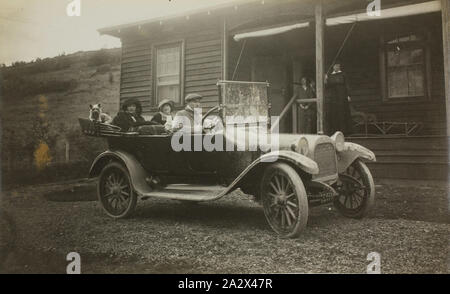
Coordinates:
<point>95,111</point>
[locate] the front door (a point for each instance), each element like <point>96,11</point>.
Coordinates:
<point>274,70</point>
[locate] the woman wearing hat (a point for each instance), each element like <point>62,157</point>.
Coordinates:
<point>339,101</point>
<point>164,116</point>
<point>130,116</point>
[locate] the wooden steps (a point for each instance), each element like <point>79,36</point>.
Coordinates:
<point>415,158</point>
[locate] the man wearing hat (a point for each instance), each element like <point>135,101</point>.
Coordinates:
<point>189,119</point>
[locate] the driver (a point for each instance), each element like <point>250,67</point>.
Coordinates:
<point>190,118</point>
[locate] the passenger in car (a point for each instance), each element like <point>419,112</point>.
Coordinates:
<point>130,118</point>
<point>164,116</point>
<point>190,118</point>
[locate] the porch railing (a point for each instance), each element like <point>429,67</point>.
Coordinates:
<point>378,128</point>
<point>293,104</point>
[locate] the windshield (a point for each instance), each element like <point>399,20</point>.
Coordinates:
<point>244,102</point>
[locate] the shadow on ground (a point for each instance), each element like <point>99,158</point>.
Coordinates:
<point>76,193</point>
<point>393,201</point>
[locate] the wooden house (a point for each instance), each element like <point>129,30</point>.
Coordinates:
<point>396,60</point>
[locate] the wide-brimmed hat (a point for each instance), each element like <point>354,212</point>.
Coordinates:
<point>194,96</point>
<point>131,101</point>
<point>164,102</point>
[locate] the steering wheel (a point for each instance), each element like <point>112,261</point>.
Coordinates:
<point>211,122</point>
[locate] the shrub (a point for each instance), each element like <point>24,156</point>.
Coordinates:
<point>99,58</point>
<point>17,86</point>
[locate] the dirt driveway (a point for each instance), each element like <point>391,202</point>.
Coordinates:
<point>410,228</point>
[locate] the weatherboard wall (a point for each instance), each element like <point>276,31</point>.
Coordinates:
<point>201,63</point>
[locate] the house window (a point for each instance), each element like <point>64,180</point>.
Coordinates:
<point>405,66</point>
<point>168,73</point>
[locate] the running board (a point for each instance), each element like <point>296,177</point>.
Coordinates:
<point>187,192</point>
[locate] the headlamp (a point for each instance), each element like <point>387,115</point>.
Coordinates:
<point>303,146</point>
<point>339,141</point>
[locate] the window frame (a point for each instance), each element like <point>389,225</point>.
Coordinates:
<point>181,44</point>
<point>383,56</point>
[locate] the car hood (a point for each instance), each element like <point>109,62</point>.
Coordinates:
<point>289,141</point>
<point>253,138</point>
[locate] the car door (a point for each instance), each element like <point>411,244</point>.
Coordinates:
<point>153,152</point>
<point>188,161</point>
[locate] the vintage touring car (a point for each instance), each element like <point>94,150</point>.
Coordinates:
<point>287,178</point>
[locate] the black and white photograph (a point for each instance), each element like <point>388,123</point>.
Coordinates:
<point>224,137</point>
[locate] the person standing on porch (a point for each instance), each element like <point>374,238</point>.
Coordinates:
<point>307,111</point>
<point>338,101</point>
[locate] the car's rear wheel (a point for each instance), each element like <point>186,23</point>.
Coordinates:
<point>284,199</point>
<point>115,191</point>
<point>356,191</point>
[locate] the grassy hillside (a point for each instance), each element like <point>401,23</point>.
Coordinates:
<point>40,105</point>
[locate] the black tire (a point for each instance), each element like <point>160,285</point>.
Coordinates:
<point>284,200</point>
<point>356,191</point>
<point>115,192</point>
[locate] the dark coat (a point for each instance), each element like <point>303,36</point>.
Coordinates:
<point>307,115</point>
<point>127,121</point>
<point>338,104</point>
<point>158,119</point>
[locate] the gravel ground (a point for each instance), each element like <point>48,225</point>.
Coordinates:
<point>409,227</point>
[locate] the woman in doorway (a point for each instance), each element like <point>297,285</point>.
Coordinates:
<point>307,111</point>
<point>339,101</point>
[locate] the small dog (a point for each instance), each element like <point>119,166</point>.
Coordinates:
<point>96,114</point>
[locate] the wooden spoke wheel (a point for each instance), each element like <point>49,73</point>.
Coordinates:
<point>356,191</point>
<point>284,199</point>
<point>115,192</point>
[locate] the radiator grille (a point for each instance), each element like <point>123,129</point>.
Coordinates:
<point>325,157</point>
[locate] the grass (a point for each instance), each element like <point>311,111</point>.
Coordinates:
<point>56,96</point>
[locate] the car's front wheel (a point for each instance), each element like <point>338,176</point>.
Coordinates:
<point>284,199</point>
<point>115,191</point>
<point>356,191</point>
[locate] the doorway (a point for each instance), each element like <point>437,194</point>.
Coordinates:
<point>277,71</point>
<point>280,60</point>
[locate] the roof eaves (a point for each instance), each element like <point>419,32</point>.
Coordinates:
<point>116,28</point>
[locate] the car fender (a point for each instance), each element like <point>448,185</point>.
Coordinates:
<point>293,158</point>
<point>304,163</point>
<point>135,169</point>
<point>352,152</point>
